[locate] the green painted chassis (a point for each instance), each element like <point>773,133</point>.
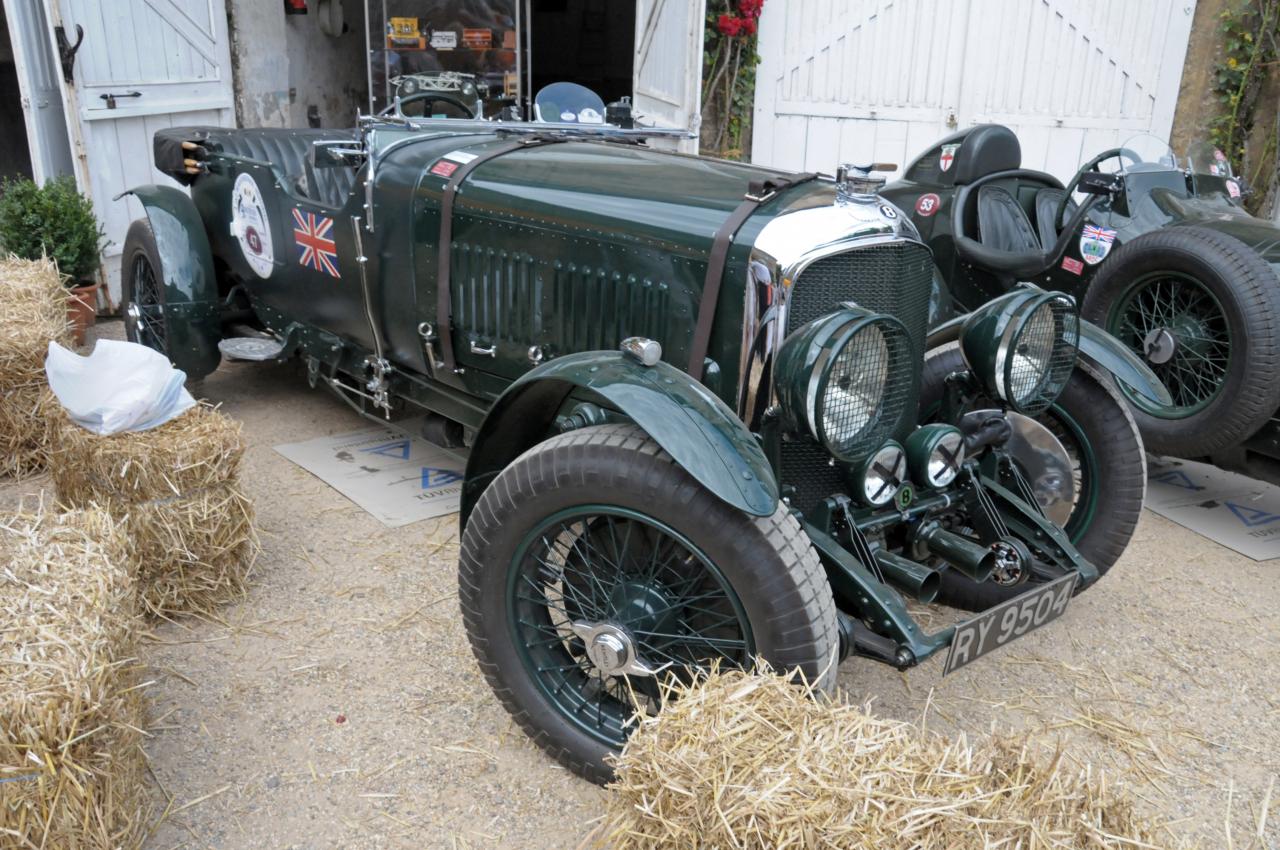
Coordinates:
<point>689,419</point>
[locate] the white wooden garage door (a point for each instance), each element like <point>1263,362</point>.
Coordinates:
<point>856,80</point>
<point>144,65</point>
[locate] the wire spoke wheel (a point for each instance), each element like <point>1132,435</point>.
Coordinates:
<point>1180,328</point>
<point>145,312</point>
<point>605,602</point>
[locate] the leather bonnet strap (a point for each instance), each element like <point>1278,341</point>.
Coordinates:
<point>758,192</point>
<point>444,296</point>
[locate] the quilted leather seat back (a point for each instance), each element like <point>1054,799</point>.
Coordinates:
<point>1003,224</point>
<point>288,151</point>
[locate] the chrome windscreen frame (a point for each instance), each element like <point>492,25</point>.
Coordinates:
<point>785,247</point>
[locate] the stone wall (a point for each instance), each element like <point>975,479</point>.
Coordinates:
<point>288,73</point>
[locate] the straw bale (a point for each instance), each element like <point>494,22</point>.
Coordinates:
<point>752,761</point>
<point>72,769</point>
<point>177,493</point>
<point>33,311</point>
<point>26,422</point>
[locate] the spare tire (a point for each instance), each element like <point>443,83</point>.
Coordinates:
<point>1203,310</point>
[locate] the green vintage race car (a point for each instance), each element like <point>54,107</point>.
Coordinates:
<point>689,389</point>
<point>1159,251</point>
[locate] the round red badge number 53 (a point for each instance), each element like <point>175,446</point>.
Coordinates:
<point>927,205</point>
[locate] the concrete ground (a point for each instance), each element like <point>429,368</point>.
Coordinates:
<point>338,705</point>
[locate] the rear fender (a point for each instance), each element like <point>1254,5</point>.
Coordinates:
<point>700,432</point>
<point>190,284</point>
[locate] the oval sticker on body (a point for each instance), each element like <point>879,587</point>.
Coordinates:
<point>250,226</point>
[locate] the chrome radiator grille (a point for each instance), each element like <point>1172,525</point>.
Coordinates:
<point>893,278</point>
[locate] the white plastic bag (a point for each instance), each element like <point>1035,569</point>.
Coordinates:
<point>120,386</point>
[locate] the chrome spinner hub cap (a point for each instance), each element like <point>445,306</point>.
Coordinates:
<point>1159,346</point>
<point>611,650</point>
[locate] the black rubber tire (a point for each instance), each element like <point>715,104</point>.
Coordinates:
<point>138,241</point>
<point>769,561</point>
<point>1090,399</point>
<point>1249,293</point>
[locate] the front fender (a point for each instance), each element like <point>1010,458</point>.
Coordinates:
<point>690,423</point>
<point>190,283</point>
<point>1109,353</point>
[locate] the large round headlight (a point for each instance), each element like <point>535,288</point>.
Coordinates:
<point>847,378</point>
<point>1023,347</point>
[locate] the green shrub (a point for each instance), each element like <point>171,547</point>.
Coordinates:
<point>53,219</point>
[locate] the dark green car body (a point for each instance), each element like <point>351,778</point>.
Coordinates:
<point>559,251</point>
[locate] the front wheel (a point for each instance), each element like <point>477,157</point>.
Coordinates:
<point>594,566</point>
<point>142,285</point>
<point>1105,461</point>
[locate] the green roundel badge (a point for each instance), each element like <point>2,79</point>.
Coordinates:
<point>906,495</point>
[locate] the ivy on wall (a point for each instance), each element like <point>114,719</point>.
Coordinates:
<point>1250,48</point>
<point>729,76</point>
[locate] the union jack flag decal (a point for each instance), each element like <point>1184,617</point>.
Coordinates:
<point>314,237</point>
<point>1102,234</point>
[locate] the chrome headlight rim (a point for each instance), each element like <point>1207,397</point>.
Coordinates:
<point>887,470</point>
<point>936,455</point>
<point>810,361</point>
<point>992,338</point>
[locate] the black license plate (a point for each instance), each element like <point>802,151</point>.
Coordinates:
<point>1009,621</point>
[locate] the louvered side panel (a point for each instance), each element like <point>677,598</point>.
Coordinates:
<point>594,308</point>
<point>497,294</point>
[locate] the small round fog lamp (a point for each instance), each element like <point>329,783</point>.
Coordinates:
<point>935,454</point>
<point>882,475</point>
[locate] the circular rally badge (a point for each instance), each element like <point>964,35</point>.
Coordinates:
<point>250,227</point>
<point>927,205</point>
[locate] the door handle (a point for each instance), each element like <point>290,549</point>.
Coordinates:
<point>491,351</point>
<point>111,97</point>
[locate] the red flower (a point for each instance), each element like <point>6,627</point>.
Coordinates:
<point>729,25</point>
<point>748,26</point>
<point>750,8</point>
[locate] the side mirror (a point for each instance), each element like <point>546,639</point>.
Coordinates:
<point>1097,183</point>
<point>336,154</point>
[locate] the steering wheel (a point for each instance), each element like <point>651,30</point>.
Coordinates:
<point>430,97</point>
<point>1091,165</point>
<point>1015,265</point>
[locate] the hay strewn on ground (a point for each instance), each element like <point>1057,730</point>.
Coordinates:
<point>71,709</point>
<point>33,312</point>
<point>176,491</point>
<point>752,762</point>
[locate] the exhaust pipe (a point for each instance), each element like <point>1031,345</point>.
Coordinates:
<point>972,559</point>
<point>920,581</point>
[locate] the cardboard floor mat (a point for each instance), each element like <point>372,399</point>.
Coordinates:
<point>1239,512</point>
<point>396,478</point>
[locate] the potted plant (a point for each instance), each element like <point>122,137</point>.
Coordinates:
<point>55,220</point>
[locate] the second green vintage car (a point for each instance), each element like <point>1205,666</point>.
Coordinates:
<point>690,390</point>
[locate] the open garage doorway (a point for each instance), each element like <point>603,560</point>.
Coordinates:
<point>15,154</point>
<point>589,42</point>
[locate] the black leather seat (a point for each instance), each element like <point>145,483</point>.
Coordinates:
<point>1047,201</point>
<point>289,152</point>
<point>1003,224</point>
